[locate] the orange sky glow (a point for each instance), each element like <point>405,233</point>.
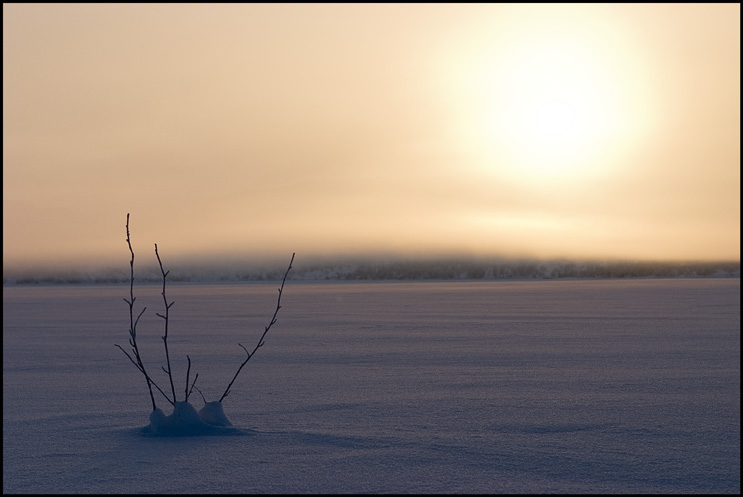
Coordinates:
<point>257,130</point>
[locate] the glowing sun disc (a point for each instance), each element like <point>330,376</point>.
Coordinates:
<point>546,99</point>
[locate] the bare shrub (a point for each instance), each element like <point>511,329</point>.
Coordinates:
<point>212,413</point>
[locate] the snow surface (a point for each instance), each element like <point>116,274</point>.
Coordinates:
<point>537,386</point>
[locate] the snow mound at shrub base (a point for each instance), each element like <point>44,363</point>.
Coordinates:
<point>212,414</point>
<point>185,421</point>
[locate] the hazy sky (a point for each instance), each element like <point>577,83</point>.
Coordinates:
<point>604,130</point>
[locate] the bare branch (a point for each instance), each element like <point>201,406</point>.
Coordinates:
<point>130,357</point>
<point>260,341</point>
<point>197,389</point>
<point>143,372</point>
<point>165,317</point>
<point>188,372</point>
<point>188,394</point>
<point>137,321</point>
<point>133,323</point>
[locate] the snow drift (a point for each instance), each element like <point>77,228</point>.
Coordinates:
<point>185,421</point>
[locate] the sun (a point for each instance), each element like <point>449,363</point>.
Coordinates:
<point>549,110</point>
<point>546,100</point>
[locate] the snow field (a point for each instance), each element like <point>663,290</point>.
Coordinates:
<point>554,386</point>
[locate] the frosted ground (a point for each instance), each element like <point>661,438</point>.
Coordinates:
<point>500,386</point>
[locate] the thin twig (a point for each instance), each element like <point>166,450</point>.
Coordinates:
<point>197,389</point>
<point>133,323</point>
<point>188,373</point>
<point>188,394</point>
<point>260,341</point>
<point>141,371</point>
<point>165,317</point>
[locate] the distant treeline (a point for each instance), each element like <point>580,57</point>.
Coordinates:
<point>401,270</point>
<point>477,270</point>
